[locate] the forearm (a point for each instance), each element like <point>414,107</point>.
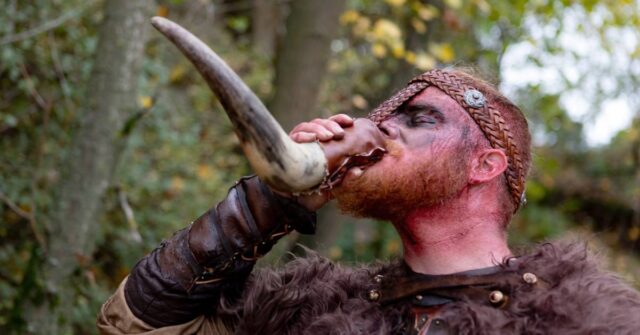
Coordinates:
<point>208,262</point>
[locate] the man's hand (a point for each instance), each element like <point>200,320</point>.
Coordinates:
<point>323,130</point>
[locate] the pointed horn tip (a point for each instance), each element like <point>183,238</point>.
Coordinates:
<point>159,22</point>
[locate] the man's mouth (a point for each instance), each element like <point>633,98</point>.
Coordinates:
<point>356,165</point>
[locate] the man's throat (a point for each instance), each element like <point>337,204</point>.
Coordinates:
<point>449,247</point>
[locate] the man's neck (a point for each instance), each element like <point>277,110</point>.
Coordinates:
<point>453,237</point>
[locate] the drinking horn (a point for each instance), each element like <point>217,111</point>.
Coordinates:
<point>282,163</point>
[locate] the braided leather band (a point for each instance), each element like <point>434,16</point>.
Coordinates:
<point>487,117</point>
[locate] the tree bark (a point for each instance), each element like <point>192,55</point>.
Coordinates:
<point>300,67</point>
<point>110,98</point>
<point>266,22</point>
<point>302,60</point>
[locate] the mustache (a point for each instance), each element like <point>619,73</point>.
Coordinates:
<point>393,148</point>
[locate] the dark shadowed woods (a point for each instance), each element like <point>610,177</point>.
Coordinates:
<point>109,140</point>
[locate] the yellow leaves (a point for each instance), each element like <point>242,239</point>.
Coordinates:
<point>428,12</point>
<point>386,30</point>
<point>397,50</point>
<point>454,4</point>
<point>145,102</point>
<point>442,51</point>
<point>419,26</point>
<point>177,73</point>
<point>424,62</point>
<point>162,11</point>
<point>395,3</point>
<point>410,57</point>
<point>483,5</point>
<point>386,36</point>
<point>349,16</point>
<point>361,26</point>
<point>359,101</point>
<point>378,50</point>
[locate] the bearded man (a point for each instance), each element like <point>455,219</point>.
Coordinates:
<point>445,161</point>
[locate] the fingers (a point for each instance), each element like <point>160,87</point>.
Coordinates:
<point>313,127</point>
<point>303,137</point>
<point>321,129</point>
<point>343,120</point>
<point>333,127</point>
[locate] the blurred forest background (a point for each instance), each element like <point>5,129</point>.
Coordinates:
<point>109,140</point>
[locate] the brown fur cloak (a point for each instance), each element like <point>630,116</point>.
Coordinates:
<point>312,295</point>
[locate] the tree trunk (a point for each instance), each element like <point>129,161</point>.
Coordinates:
<point>266,20</point>
<point>111,97</point>
<point>302,60</point>
<point>300,67</point>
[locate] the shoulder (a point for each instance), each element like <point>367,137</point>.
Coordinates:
<point>555,288</point>
<point>579,292</point>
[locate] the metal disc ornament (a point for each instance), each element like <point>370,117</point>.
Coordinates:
<point>474,98</point>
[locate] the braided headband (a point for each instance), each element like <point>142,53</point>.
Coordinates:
<point>481,111</point>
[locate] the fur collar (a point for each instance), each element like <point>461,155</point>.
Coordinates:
<point>312,295</point>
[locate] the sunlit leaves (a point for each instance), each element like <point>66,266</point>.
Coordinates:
<point>378,50</point>
<point>483,5</point>
<point>386,31</point>
<point>145,102</point>
<point>359,101</point>
<point>419,26</point>
<point>427,12</point>
<point>455,4</point>
<point>349,17</point>
<point>395,3</point>
<point>387,35</point>
<point>443,51</point>
<point>162,10</point>
<point>178,72</point>
<point>424,61</point>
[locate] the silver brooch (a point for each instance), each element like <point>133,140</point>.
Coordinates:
<point>474,98</point>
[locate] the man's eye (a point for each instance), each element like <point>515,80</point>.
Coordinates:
<point>423,119</point>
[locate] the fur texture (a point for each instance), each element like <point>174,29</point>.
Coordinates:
<point>312,295</point>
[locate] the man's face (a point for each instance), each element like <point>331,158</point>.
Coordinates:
<point>430,141</point>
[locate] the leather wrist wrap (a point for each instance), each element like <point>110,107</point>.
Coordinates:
<point>209,261</point>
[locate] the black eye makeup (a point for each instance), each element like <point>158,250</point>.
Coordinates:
<point>422,115</point>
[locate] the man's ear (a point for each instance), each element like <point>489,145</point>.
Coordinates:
<point>487,165</point>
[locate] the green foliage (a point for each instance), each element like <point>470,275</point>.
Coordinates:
<point>181,154</point>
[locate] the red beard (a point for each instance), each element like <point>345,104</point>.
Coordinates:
<point>392,191</point>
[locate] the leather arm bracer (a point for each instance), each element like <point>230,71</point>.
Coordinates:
<point>209,261</point>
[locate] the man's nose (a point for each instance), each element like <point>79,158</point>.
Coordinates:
<point>389,129</point>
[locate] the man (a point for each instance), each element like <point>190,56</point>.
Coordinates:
<point>445,161</point>
<point>449,183</point>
